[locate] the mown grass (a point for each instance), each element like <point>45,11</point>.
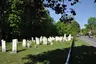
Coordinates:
<point>20,57</point>
<point>43,54</point>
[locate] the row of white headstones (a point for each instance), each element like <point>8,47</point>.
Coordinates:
<point>38,41</point>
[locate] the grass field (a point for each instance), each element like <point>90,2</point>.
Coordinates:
<point>43,54</point>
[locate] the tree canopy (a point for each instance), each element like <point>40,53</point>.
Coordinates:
<point>26,18</point>
<point>69,28</point>
<point>90,27</point>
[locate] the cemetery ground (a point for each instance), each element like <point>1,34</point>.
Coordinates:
<point>82,53</point>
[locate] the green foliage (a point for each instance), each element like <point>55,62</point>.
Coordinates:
<point>14,16</point>
<point>75,28</point>
<point>24,19</point>
<point>84,31</point>
<point>60,27</point>
<point>91,26</point>
<point>69,28</point>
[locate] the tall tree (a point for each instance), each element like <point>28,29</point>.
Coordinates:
<point>3,19</point>
<point>69,28</point>
<point>14,12</point>
<point>92,25</point>
<point>75,28</point>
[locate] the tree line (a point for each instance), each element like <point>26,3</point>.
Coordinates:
<point>90,27</point>
<point>27,18</point>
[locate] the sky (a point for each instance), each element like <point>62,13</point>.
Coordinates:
<point>84,10</point>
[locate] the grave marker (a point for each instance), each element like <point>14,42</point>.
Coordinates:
<point>3,42</point>
<point>14,45</point>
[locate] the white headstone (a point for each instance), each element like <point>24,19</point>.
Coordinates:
<point>37,41</point>
<point>44,40</point>
<point>65,38</point>
<point>32,39</point>
<point>41,39</point>
<point>57,38</point>
<point>28,43</point>
<point>3,42</point>
<point>69,37</point>
<point>53,38</point>
<point>14,45</point>
<point>50,41</point>
<point>60,39</point>
<point>24,43</point>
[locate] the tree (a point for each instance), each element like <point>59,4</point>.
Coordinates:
<point>84,31</point>
<point>28,18</point>
<point>60,7</point>
<point>4,28</point>
<point>24,18</point>
<point>36,21</point>
<point>75,28</point>
<point>69,28</point>
<point>15,11</point>
<point>92,25</point>
<point>60,28</point>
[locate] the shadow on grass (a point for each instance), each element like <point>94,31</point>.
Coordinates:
<point>9,50</point>
<point>83,55</point>
<point>21,50</point>
<point>80,55</point>
<point>57,56</point>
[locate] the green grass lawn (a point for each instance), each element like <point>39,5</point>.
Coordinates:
<point>43,54</point>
